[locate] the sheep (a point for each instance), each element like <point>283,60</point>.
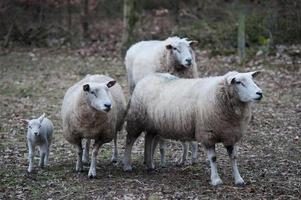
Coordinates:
<point>174,55</point>
<point>93,108</point>
<point>39,134</point>
<point>209,110</point>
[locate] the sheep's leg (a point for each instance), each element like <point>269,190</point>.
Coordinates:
<point>115,151</point>
<point>215,179</point>
<point>149,141</point>
<point>194,149</point>
<point>162,152</point>
<point>127,160</point>
<point>92,170</point>
<point>30,156</point>
<point>86,151</point>
<point>79,163</point>
<point>232,152</point>
<point>155,144</point>
<point>184,153</point>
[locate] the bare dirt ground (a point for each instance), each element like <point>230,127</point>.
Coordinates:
<point>33,82</point>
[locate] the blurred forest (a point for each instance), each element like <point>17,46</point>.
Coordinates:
<point>219,25</point>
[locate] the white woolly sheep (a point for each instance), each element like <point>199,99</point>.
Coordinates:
<point>39,134</point>
<point>174,55</point>
<point>93,108</point>
<point>208,110</point>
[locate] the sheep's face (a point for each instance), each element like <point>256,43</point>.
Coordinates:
<point>98,95</point>
<point>35,125</point>
<point>245,87</point>
<point>182,52</point>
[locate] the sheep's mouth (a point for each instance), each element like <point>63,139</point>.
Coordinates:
<point>182,67</point>
<point>258,98</point>
<point>106,110</point>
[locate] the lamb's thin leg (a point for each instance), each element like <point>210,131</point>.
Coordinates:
<point>127,159</point>
<point>149,141</point>
<point>86,151</point>
<point>194,150</point>
<point>30,156</point>
<point>232,152</point>
<point>47,154</point>
<point>115,150</point>
<point>184,153</point>
<point>92,170</point>
<point>79,163</point>
<point>162,152</point>
<point>215,179</point>
<point>43,152</point>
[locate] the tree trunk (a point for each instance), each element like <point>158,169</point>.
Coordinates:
<point>130,18</point>
<point>69,19</point>
<point>241,41</point>
<point>85,19</point>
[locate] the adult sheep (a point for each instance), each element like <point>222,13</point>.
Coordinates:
<point>93,108</point>
<point>208,110</point>
<point>174,55</point>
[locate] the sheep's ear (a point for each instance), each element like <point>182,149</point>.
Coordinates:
<point>193,43</point>
<point>255,73</point>
<point>86,87</point>
<point>169,46</point>
<point>41,118</point>
<point>111,83</point>
<point>25,121</point>
<point>231,80</point>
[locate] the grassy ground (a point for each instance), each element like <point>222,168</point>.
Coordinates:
<point>33,82</point>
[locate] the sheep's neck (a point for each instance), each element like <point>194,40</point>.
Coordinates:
<point>86,113</point>
<point>170,65</point>
<point>231,107</point>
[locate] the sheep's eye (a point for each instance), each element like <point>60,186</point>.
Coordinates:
<point>30,127</point>
<point>241,83</point>
<point>40,126</point>
<point>92,92</point>
<point>175,49</point>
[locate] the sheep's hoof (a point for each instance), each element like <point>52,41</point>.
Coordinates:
<point>151,170</point>
<point>163,165</point>
<point>114,161</point>
<point>217,182</point>
<point>194,162</point>
<point>240,184</point>
<point>30,169</point>
<point>91,174</point>
<point>79,169</point>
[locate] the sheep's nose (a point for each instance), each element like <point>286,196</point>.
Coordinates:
<point>35,133</point>
<point>108,106</point>
<point>188,61</point>
<point>260,95</point>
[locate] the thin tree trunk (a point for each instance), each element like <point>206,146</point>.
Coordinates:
<point>85,19</point>
<point>241,41</point>
<point>69,22</point>
<point>130,18</point>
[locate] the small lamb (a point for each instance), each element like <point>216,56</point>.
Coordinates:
<point>39,133</point>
